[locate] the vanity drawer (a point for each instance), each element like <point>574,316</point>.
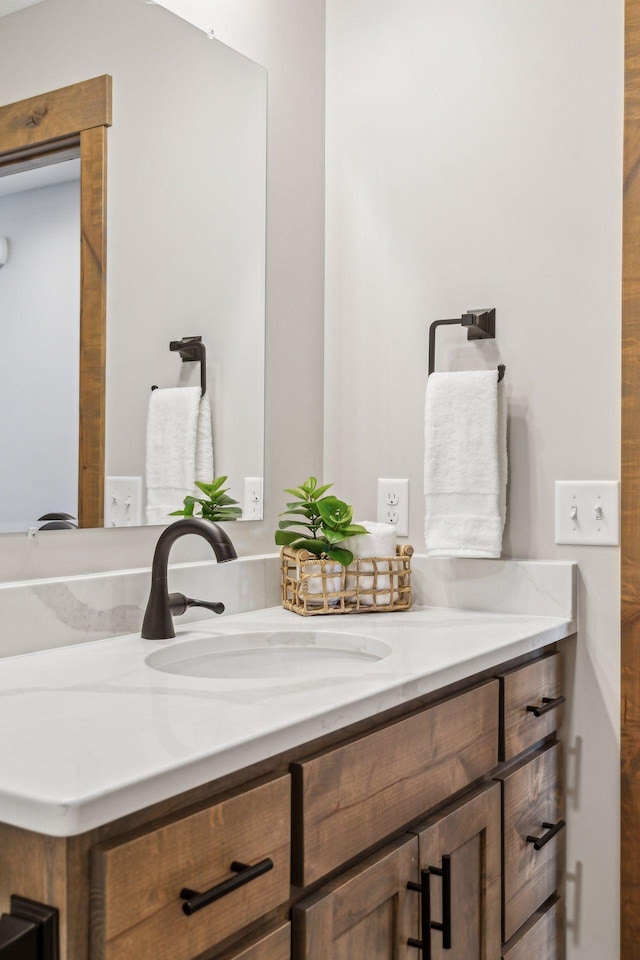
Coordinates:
<point>531,704</point>
<point>531,808</point>
<point>275,945</point>
<point>137,881</point>
<point>350,797</point>
<point>541,936</point>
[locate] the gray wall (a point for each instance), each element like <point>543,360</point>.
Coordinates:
<point>40,311</point>
<point>474,158</point>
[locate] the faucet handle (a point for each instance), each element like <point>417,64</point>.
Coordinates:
<point>178,604</point>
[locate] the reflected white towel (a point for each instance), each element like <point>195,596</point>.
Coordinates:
<point>179,449</point>
<point>465,476</point>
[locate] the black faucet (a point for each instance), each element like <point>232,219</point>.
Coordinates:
<point>158,619</point>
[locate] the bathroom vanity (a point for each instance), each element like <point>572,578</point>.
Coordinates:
<point>316,813</point>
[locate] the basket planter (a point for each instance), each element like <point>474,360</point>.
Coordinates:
<point>311,586</point>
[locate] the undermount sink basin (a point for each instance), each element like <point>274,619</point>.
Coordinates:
<point>276,655</point>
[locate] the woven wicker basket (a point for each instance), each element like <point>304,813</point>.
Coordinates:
<point>311,586</point>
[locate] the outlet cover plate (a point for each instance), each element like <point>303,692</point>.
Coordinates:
<point>252,507</point>
<point>576,512</point>
<point>393,504</point>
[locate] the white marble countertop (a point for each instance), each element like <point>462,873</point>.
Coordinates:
<point>89,733</point>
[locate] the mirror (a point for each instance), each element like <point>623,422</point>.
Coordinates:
<point>185,239</point>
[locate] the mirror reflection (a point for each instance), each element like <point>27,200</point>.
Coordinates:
<point>186,258</point>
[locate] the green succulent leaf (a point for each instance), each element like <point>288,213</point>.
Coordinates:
<point>335,513</point>
<point>340,555</point>
<point>223,500</point>
<point>285,524</point>
<point>297,492</point>
<point>353,529</point>
<point>319,491</point>
<point>285,538</point>
<point>317,547</point>
<point>217,505</point>
<point>326,518</point>
<point>334,536</point>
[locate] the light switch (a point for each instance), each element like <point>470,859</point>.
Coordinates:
<point>122,501</point>
<point>588,512</point>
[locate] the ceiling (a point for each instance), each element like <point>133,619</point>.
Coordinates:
<point>41,177</point>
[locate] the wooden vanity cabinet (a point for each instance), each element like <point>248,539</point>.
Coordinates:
<point>463,844</point>
<point>373,910</point>
<point>542,936</point>
<point>141,883</point>
<point>531,697</point>
<point>533,837</point>
<point>274,945</point>
<point>532,810</point>
<point>350,822</point>
<point>368,912</point>
<point>347,798</point>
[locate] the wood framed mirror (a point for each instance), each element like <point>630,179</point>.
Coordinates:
<point>60,125</point>
<point>630,517</point>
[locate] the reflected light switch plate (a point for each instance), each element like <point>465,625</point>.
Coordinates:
<point>123,501</point>
<point>588,512</point>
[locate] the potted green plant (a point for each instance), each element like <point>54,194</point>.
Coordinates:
<point>325,523</point>
<point>215,505</point>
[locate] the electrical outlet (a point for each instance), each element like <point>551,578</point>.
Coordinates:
<point>588,512</point>
<point>252,506</point>
<point>393,504</point>
<point>123,501</point>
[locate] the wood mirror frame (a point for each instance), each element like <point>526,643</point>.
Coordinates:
<point>630,526</point>
<point>61,125</point>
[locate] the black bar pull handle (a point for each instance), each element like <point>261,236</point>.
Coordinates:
<point>245,874</point>
<point>427,924</point>
<point>18,938</point>
<point>553,828</point>
<point>548,703</point>
<point>178,604</point>
<point>29,932</point>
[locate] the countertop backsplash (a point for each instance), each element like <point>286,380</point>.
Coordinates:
<point>44,614</point>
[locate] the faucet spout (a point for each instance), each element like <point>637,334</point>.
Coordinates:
<point>158,620</point>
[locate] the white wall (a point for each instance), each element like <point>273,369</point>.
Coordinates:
<point>40,311</point>
<point>288,40</point>
<point>474,158</point>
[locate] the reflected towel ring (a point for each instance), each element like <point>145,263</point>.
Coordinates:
<point>481,325</point>
<point>191,350</point>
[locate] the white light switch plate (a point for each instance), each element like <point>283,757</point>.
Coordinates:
<point>588,512</point>
<point>123,501</point>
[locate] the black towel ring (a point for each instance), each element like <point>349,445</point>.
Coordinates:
<point>191,349</point>
<point>481,325</point>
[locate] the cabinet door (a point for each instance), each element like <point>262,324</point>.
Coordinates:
<point>365,914</point>
<point>460,856</point>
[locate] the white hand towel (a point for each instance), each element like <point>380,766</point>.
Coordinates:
<point>380,541</point>
<point>179,449</point>
<point>465,475</point>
